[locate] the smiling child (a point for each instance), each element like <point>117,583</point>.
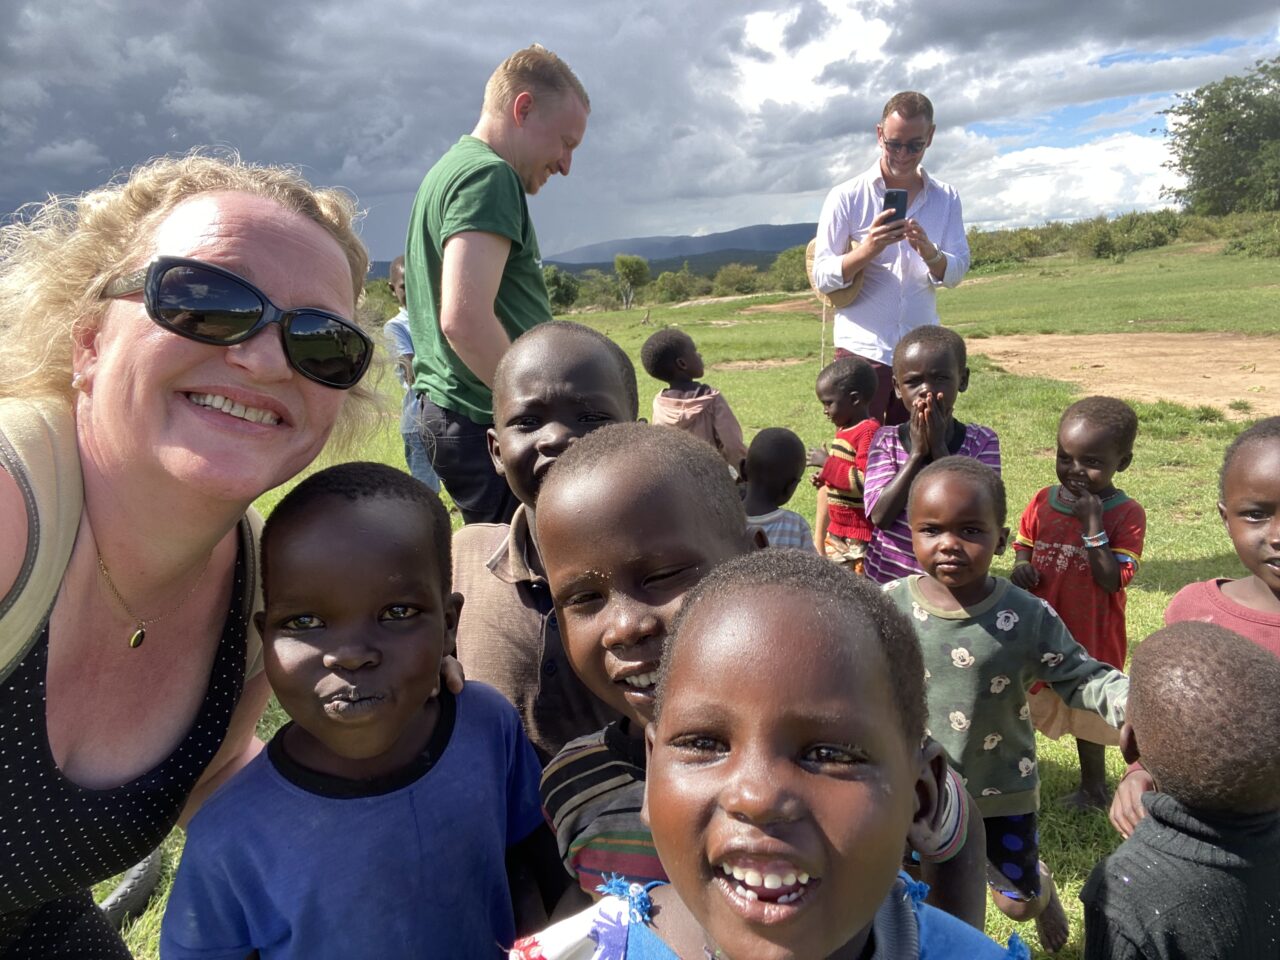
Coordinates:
<point>556,384</point>
<point>785,773</point>
<point>1078,547</point>
<point>985,642</point>
<point>346,836</point>
<point>1249,505</point>
<point>673,515</point>
<point>930,371</point>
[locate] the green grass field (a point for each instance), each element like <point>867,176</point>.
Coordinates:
<point>1174,474</point>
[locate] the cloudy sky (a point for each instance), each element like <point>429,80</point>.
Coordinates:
<point>706,116</point>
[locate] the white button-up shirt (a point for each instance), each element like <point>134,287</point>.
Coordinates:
<point>898,291</point>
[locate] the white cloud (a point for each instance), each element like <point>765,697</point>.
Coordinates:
<point>70,156</point>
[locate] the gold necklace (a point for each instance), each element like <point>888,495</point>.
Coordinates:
<point>140,632</point>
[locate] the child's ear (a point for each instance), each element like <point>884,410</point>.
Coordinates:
<point>452,611</point>
<point>897,390</point>
<point>930,784</point>
<point>1129,743</point>
<point>758,539</point>
<point>1222,512</point>
<point>964,380</point>
<point>495,452</point>
<point>1002,542</point>
<point>1123,465</point>
<point>650,732</point>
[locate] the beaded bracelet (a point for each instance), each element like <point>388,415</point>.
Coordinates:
<point>1095,540</point>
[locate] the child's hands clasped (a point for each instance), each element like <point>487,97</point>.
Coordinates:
<point>928,427</point>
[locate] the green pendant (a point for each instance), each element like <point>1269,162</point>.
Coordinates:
<point>139,635</point>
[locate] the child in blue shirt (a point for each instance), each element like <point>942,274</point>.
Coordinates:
<point>390,817</point>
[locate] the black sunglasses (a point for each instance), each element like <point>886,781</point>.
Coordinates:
<point>911,146</point>
<point>210,305</point>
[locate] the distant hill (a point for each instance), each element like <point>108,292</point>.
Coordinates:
<point>761,238</point>
<point>703,264</point>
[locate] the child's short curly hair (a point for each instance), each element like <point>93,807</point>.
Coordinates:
<point>1203,704</point>
<point>1261,432</point>
<point>365,480</point>
<point>856,603</point>
<point>661,351</point>
<point>1113,415</point>
<point>970,469</point>
<point>849,375</point>
<point>933,335</point>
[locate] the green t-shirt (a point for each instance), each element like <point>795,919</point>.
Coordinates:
<point>469,188</point>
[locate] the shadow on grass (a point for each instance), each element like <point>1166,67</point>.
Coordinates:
<point>1171,575</point>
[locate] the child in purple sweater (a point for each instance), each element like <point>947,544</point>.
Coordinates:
<point>930,370</point>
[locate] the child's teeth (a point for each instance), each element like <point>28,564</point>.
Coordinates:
<point>728,870</point>
<point>772,881</point>
<point>803,878</point>
<point>749,893</point>
<point>753,878</point>
<point>789,879</point>
<point>739,873</point>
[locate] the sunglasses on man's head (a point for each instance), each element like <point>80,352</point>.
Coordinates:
<point>911,146</point>
<point>210,305</point>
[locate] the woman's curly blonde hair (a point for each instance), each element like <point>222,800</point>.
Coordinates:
<point>56,258</point>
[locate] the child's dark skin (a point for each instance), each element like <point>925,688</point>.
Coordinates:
<point>353,644</point>
<point>689,368</point>
<point>955,532</point>
<point>1250,509</point>
<point>617,595</point>
<point>928,379</point>
<point>559,388</point>
<point>1089,457</point>
<point>783,758</point>
<point>767,493</point>
<point>843,409</point>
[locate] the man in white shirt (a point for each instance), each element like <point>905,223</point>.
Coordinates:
<point>855,234</point>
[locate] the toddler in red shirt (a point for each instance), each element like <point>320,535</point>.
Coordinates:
<point>1079,544</point>
<point>845,389</point>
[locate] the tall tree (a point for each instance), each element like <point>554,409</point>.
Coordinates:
<point>632,273</point>
<point>1225,138</point>
<point>562,288</point>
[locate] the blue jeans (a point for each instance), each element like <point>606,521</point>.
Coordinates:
<point>459,453</point>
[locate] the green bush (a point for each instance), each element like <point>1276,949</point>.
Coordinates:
<point>1262,242</point>
<point>736,278</point>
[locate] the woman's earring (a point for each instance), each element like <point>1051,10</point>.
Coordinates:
<point>77,381</point>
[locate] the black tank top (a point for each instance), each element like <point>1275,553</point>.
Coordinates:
<point>57,838</point>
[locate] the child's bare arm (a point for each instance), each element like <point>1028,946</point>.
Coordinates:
<point>893,499</point>
<point>1126,805</point>
<point>537,879</point>
<point>1102,562</point>
<point>820,521</point>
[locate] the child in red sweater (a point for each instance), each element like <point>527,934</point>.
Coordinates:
<point>845,389</point>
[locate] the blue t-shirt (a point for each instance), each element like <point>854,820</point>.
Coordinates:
<point>297,864</point>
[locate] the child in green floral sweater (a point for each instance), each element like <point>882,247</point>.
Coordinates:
<point>985,642</point>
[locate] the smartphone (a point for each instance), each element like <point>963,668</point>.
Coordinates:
<point>896,200</point>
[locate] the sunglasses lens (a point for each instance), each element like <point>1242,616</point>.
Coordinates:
<point>205,305</point>
<point>326,350</point>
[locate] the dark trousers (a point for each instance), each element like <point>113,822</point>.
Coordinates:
<point>460,455</point>
<point>885,406</point>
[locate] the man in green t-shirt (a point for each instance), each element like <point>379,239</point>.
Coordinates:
<point>473,271</point>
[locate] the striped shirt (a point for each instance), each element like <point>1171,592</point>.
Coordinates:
<point>889,556</point>
<point>591,794</point>
<point>843,475</point>
<point>785,529</point>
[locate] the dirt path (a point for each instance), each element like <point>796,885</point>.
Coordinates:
<point>1216,369</point>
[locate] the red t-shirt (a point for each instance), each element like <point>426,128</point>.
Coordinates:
<point>1054,536</point>
<point>843,475</point>
<point>1205,601</point>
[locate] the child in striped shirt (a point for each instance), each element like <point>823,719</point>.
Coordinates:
<point>930,371</point>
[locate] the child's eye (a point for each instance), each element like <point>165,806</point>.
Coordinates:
<point>594,418</point>
<point>832,754</point>
<point>303,621</point>
<point>400,611</point>
<point>664,578</point>
<point>698,743</point>
<point>579,599</point>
